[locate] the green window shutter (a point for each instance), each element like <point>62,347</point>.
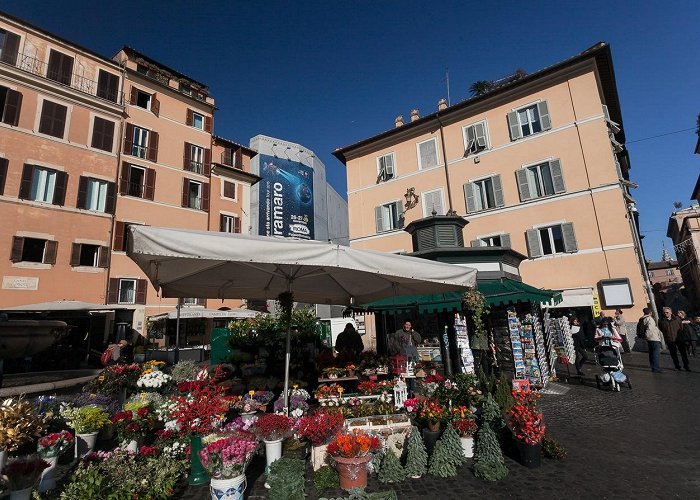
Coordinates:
<point>497,190</point>
<point>557,176</point>
<point>469,197</point>
<point>505,241</point>
<point>567,231</point>
<point>471,140</point>
<point>480,136</point>
<point>379,219</point>
<point>533,243</point>
<point>399,222</point>
<point>543,111</point>
<point>514,126</point>
<point>523,186</point>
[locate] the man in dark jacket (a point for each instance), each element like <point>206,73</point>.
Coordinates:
<point>672,328</point>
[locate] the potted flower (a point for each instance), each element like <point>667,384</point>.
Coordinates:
<point>350,369</point>
<point>133,424</point>
<point>433,413</point>
<point>526,424</point>
<point>87,422</point>
<point>22,474</point>
<point>272,428</point>
<point>351,452</point>
<point>153,380</point>
<point>19,424</point>
<point>116,380</point>
<point>225,458</point>
<point>319,428</point>
<point>263,398</point>
<point>246,407</point>
<point>334,372</point>
<point>50,447</point>
<point>466,428</point>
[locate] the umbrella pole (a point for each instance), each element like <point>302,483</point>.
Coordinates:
<point>288,351</point>
<point>176,357</point>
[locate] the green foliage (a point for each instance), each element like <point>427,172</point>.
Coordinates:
<point>488,458</point>
<point>416,455</point>
<point>480,87</point>
<point>475,304</point>
<point>286,479</point>
<point>490,411</point>
<point>504,394</point>
<point>391,470</point>
<point>184,370</point>
<point>552,449</point>
<point>87,482</point>
<point>448,454</point>
<point>326,478</point>
<point>360,494</point>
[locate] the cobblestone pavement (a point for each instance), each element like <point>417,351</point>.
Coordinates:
<point>639,443</point>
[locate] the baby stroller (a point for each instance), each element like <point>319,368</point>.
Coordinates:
<point>608,357</point>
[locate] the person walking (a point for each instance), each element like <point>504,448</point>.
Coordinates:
<point>579,345</point>
<point>687,333</point>
<point>647,328</point>
<point>621,326</point>
<point>672,328</point>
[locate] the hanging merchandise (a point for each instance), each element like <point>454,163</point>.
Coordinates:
<point>462,338</point>
<point>549,343</point>
<point>515,333</point>
<point>543,362</point>
<point>563,341</point>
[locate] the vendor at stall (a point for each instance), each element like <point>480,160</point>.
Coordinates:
<point>404,341</point>
<point>349,343</point>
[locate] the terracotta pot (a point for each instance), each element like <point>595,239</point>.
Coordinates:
<point>434,426</point>
<point>352,471</point>
<point>351,373</point>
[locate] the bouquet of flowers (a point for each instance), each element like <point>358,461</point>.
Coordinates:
<point>367,387</point>
<point>134,422</point>
<point>260,397</point>
<point>53,445</point>
<point>168,443</point>
<point>353,445</point>
<point>245,405</point>
<point>297,406</point>
<point>114,378</point>
<point>104,401</point>
<point>227,457</point>
<point>328,391</point>
<point>320,427</point>
<point>86,419</point>
<point>202,410</point>
<point>154,365</point>
<point>431,411</point>
<point>153,380</point>
<point>523,419</point>
<point>299,393</point>
<point>19,423</point>
<point>461,412</point>
<point>24,472</point>
<point>334,372</point>
<point>412,405</point>
<point>47,408</point>
<point>465,427</point>
<point>272,427</point>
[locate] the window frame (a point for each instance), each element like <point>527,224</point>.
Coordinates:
<point>427,213</point>
<point>419,158</point>
<point>139,93</point>
<point>229,221</point>
<point>530,121</point>
<point>119,291</point>
<point>552,242</point>
<point>465,137</point>
<point>131,182</point>
<point>198,198</point>
<point>88,199</point>
<point>394,175</point>
<point>137,148</point>
<point>498,199</point>
<point>540,187</point>
<point>54,177</point>
<point>93,135</point>
<point>197,166</point>
<point>223,190</point>
<point>66,119</point>
<point>194,117</point>
<point>395,219</point>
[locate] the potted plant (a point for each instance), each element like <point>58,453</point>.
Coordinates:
<point>153,380</point>
<point>272,428</point>
<point>334,372</point>
<point>527,426</point>
<point>87,422</point>
<point>225,458</point>
<point>115,380</point>
<point>50,447</point>
<point>133,424</point>
<point>22,474</point>
<point>351,452</point>
<point>19,424</point>
<point>263,398</point>
<point>350,369</point>
<point>319,428</point>
<point>466,428</point>
<point>246,407</point>
<point>433,413</point>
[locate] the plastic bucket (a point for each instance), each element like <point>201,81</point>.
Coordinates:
<point>228,489</point>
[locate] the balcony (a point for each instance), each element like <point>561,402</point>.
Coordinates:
<point>135,189</point>
<point>39,68</point>
<point>195,202</point>
<point>196,167</point>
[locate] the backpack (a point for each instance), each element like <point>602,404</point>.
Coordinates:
<point>640,328</point>
<point>107,356</point>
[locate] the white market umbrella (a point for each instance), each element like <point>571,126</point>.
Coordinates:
<point>187,263</point>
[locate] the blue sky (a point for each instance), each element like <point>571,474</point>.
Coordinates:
<point>326,74</point>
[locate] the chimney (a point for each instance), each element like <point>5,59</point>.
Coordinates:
<point>399,121</point>
<point>414,115</point>
<point>442,104</point>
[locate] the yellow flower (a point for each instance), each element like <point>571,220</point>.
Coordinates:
<point>101,378</point>
<point>250,393</point>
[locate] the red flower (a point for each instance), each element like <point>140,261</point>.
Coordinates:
<point>147,451</point>
<point>271,426</point>
<point>523,419</point>
<point>320,427</point>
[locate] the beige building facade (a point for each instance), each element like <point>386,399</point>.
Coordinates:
<point>684,231</point>
<point>536,164</point>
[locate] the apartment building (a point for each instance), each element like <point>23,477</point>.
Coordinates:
<point>61,107</point>
<point>684,231</point>
<point>537,164</point>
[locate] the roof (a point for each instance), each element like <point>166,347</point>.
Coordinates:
<point>696,189</point>
<point>661,264</point>
<point>600,52</point>
<point>229,142</point>
<point>176,73</point>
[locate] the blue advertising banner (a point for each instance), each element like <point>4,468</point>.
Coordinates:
<point>286,198</point>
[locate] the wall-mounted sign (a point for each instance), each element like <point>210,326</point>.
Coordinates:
<point>616,292</point>
<point>20,283</point>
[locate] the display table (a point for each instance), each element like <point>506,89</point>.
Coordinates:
<point>336,380</point>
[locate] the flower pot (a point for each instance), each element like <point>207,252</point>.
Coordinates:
<point>467,446</point>
<point>121,396</point>
<point>434,426</point>
<point>131,446</point>
<point>247,416</point>
<point>228,489</point>
<point>273,451</point>
<point>318,456</point>
<point>529,454</point>
<point>430,438</point>
<point>352,472</point>
<point>198,475</point>
<point>25,494</point>
<point>48,481</point>
<point>85,443</point>
<point>351,373</point>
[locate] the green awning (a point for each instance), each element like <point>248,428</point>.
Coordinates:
<point>497,292</point>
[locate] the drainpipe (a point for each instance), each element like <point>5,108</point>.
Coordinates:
<point>631,217</point>
<point>444,158</point>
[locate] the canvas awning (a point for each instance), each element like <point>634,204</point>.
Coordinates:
<point>187,313</point>
<point>62,306</point>
<point>574,297</point>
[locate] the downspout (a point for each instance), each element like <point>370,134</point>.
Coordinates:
<point>444,158</point>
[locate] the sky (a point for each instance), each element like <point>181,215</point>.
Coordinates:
<point>327,74</point>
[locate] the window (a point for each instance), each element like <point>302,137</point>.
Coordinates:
<point>53,119</point>
<point>85,255</point>
<point>143,99</point>
<point>529,120</point>
<point>198,121</point>
<point>140,68</point>
<point>190,301</point>
<point>43,184</point>
<point>185,89</point>
<point>669,272</point>
<point>127,291</point>
<point>10,104</point>
<point>230,224</point>
<point>499,240</point>
<point>196,159</point>
<point>475,139</point>
<point>121,235</point>
<point>102,134</point>
<point>33,250</point>
<point>427,154</point>
<point>9,47</point>
<point>137,180</point>
<point>432,202</point>
<point>544,179</point>
<point>385,167</point>
<point>140,142</point>
<point>484,194</point>
<point>60,67</point>
<point>108,86</point>
<point>3,173</point>
<point>389,216</point>
<point>228,190</point>
<point>96,197</point>
<point>194,195</point>
<point>555,239</point>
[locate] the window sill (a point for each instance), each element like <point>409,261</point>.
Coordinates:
<point>553,255</point>
<point>87,269</point>
<point>484,210</point>
<point>388,231</point>
<point>31,265</point>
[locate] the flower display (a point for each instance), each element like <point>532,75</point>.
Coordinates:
<point>431,411</point>
<point>371,387</point>
<point>320,427</point>
<point>465,427</point>
<point>260,397</point>
<point>24,472</point>
<point>523,419</point>
<point>134,422</point>
<point>228,457</point>
<point>243,405</point>
<point>411,405</point>
<point>202,410</point>
<point>86,419</point>
<point>461,412</point>
<point>271,427</point>
<point>153,380</point>
<point>54,444</point>
<point>104,401</point>
<point>295,392</point>
<point>328,391</point>
<point>114,378</point>
<point>297,406</point>
<point>353,445</point>
<point>19,423</point>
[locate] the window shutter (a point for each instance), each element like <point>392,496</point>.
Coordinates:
<point>113,291</point>
<point>400,216</point>
<point>471,140</point>
<point>389,166</point>
<point>102,134</point>
<point>185,192</point>
<point>480,136</point>
<point>201,302</point>
<point>75,255</point>
<point>469,197</point>
<point>428,154</point>
<point>189,119</point>
<point>107,86</point>
<point>128,139</point>
<point>133,96</point>
<point>50,251</point>
<point>13,105</point>
<point>239,158</point>
<point>103,258</point>
<point>205,197</point>
<point>155,105</point>
<point>25,186</point>
<point>606,113</point>
<point>379,219</point>
<point>477,243</point>
<point>149,192</point>
<point>497,190</point>
<point>514,126</point>
<point>60,67</point>
<point>3,174</point>
<point>505,241</point>
<point>119,227</point>
<point>570,244</point>
<point>229,190</point>
<point>222,223</point>
<point>543,111</point>
<point>82,192</point>
<point>59,191</point>
<point>153,146</point>
<point>523,186</point>
<point>557,176</point>
<point>124,178</point>
<point>187,157</point>
<point>206,169</point>
<point>236,224</point>
<point>533,243</point>
<point>59,120</point>
<point>141,286</point>
<point>10,49</point>
<point>110,199</point>
<point>208,124</point>
<point>17,248</point>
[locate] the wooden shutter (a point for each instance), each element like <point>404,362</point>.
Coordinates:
<point>557,176</point>
<point>567,231</point>
<point>533,243</point>
<point>239,158</point>
<point>433,201</point>
<point>3,174</point>
<point>50,251</point>
<point>13,105</point>
<point>428,154</point>
<point>141,286</point>
<point>107,86</point>
<point>150,191</point>
<point>229,190</point>
<point>103,257</point>
<point>514,126</point>
<point>185,192</point>
<point>17,248</point>
<point>236,224</point>
<point>113,291</point>
<point>124,178</point>
<point>379,218</point>
<point>25,186</point>
<point>201,302</point>
<point>103,134</point>
<point>82,192</point>
<point>119,227</point>
<point>187,157</point>
<point>59,120</point>
<point>222,223</point>
<point>206,168</point>
<point>400,217</point>
<point>155,105</point>
<point>60,67</point>
<point>110,200</point>
<point>469,197</point>
<point>205,197</point>
<point>505,241</point>
<point>10,48</point>
<point>190,118</point>
<point>53,119</point>
<point>543,111</point>
<point>129,139</point>
<point>152,146</point>
<point>133,96</point>
<point>523,186</point>
<point>208,123</point>
<point>480,136</point>
<point>59,191</point>
<point>497,190</point>
<point>471,141</point>
<point>75,255</point>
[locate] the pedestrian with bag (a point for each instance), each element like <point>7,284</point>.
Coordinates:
<point>646,328</point>
<point>621,326</point>
<point>672,328</point>
<point>688,332</point>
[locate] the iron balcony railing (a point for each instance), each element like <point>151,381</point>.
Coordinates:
<point>136,189</point>
<point>196,167</point>
<point>195,202</point>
